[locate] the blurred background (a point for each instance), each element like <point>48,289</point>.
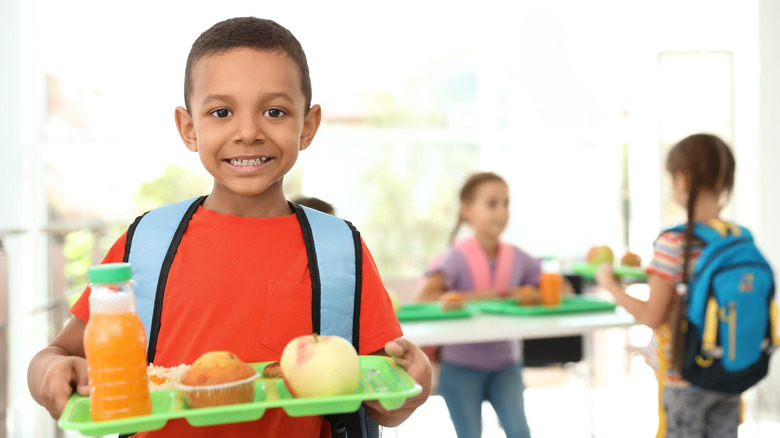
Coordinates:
<point>574,103</point>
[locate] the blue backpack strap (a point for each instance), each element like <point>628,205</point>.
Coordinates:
<point>158,232</point>
<point>335,254</point>
<point>709,234</point>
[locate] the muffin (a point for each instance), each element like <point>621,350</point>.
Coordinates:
<point>218,378</point>
<point>631,259</point>
<point>451,301</point>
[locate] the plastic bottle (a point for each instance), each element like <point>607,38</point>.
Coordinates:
<point>550,283</point>
<point>115,346</point>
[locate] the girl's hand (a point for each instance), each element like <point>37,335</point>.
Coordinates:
<point>605,275</point>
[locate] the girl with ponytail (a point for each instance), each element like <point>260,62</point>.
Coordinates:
<point>701,167</point>
<point>479,267</point>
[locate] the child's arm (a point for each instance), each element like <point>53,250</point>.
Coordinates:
<point>652,312</point>
<point>416,363</point>
<point>59,368</point>
<point>434,288</point>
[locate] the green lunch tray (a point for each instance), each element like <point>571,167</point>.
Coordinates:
<point>380,379</point>
<point>573,304</point>
<point>428,311</point>
<point>588,270</point>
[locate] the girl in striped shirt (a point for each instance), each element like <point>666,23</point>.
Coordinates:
<point>702,170</point>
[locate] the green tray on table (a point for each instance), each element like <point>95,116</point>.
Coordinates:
<point>572,304</point>
<point>429,311</point>
<point>588,270</point>
<point>380,379</point>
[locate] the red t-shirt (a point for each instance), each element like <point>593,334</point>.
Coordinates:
<point>242,284</point>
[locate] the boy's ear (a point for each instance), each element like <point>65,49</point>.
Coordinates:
<point>186,128</point>
<point>311,122</point>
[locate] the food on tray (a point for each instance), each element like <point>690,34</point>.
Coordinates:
<point>451,300</point>
<point>218,378</point>
<point>527,295</point>
<point>600,254</point>
<point>320,366</point>
<point>631,259</point>
<point>273,370</point>
<point>161,378</point>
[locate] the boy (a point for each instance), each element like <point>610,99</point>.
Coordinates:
<point>240,280</point>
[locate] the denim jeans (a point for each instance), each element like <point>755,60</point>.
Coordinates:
<point>464,390</point>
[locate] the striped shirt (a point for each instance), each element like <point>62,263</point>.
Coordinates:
<point>669,254</point>
<point>667,263</point>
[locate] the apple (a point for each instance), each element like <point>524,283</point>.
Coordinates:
<point>320,366</point>
<point>600,254</point>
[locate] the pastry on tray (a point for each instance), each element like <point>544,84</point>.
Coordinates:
<point>218,378</point>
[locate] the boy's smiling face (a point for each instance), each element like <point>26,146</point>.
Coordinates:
<point>247,121</point>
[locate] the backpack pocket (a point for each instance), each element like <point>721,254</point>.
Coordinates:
<point>742,293</point>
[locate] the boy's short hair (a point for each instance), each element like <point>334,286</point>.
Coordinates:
<point>250,32</point>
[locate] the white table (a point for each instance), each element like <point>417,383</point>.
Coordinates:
<point>483,327</point>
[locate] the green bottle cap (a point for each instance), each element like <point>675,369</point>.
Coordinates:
<point>110,273</point>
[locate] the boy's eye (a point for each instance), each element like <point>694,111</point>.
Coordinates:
<point>274,113</point>
<point>221,113</point>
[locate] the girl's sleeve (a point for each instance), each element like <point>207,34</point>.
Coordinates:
<point>80,309</point>
<point>452,265</point>
<point>378,323</point>
<point>530,268</point>
<point>667,257</point>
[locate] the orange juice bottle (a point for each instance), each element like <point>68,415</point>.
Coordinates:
<point>550,283</point>
<point>115,346</point>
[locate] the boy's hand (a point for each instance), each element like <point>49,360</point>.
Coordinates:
<point>416,363</point>
<point>62,375</point>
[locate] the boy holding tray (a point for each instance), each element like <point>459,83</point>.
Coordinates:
<point>240,279</point>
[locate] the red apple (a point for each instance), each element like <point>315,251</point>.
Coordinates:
<point>600,254</point>
<point>320,366</point>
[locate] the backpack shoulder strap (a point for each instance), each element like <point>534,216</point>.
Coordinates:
<point>335,254</point>
<point>703,232</point>
<point>158,232</point>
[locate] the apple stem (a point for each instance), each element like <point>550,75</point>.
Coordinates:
<point>316,338</point>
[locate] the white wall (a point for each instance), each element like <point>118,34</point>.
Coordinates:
<point>768,166</point>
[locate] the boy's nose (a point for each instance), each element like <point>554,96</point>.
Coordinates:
<point>249,130</point>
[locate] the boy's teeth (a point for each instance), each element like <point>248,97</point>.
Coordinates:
<point>253,162</point>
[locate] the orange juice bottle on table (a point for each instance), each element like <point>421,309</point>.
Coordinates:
<point>115,346</point>
<point>550,283</point>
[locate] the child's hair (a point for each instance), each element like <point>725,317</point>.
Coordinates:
<point>469,190</point>
<point>315,203</point>
<point>250,32</point>
<point>708,164</point>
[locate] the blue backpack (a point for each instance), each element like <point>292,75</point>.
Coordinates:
<point>334,252</point>
<point>730,315</point>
